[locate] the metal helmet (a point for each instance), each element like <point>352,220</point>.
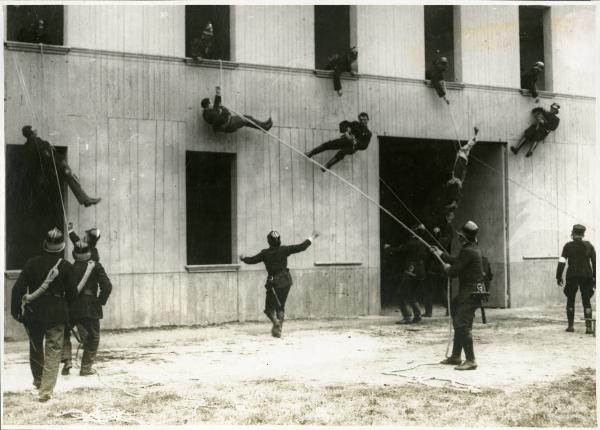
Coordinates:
<point>469,231</point>
<point>274,238</point>
<point>539,65</point>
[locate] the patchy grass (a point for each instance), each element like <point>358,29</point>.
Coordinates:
<point>569,401</point>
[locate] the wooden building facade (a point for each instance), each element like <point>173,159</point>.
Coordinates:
<point>120,95</point>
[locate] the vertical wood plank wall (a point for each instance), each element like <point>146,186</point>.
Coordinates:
<point>128,120</point>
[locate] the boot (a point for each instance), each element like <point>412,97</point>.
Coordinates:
<point>428,310</point>
<point>87,361</point>
<point>514,149</point>
<point>276,329</point>
<point>66,369</point>
<point>267,124</point>
<point>451,360</point>
<point>78,191</point>
<point>281,317</point>
<point>467,344</point>
<point>587,312</point>
<point>87,372</point>
<point>467,365</point>
<point>570,320</point>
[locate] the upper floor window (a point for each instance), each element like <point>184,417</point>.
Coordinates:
<point>332,33</point>
<point>531,45</point>
<point>439,37</point>
<point>207,32</point>
<point>35,24</point>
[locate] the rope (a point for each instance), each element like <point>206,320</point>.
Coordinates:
<point>29,104</point>
<point>351,185</point>
<point>455,128</point>
<point>221,76</point>
<point>411,213</point>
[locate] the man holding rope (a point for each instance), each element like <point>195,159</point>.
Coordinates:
<point>51,163</point>
<point>468,267</point>
<point>279,280</point>
<point>355,137</point>
<point>39,301</point>
<point>545,122</point>
<point>222,120</point>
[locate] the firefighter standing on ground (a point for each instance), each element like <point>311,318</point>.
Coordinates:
<point>468,267</point>
<point>581,274</point>
<point>40,300</point>
<point>279,280</point>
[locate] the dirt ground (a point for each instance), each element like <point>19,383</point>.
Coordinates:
<point>337,372</point>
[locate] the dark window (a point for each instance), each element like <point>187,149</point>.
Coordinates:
<point>32,205</point>
<point>209,179</point>
<point>199,42</point>
<point>332,33</point>
<point>35,24</point>
<point>439,37</point>
<point>531,40</point>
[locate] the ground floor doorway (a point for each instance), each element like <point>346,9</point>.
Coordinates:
<point>412,173</point>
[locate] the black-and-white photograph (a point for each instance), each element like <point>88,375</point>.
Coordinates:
<point>341,214</point>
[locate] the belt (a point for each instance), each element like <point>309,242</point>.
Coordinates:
<point>87,293</point>
<point>59,295</point>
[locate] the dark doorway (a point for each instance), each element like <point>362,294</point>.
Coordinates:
<point>332,33</point>
<point>23,24</point>
<point>439,37</point>
<point>33,205</point>
<point>196,19</point>
<point>209,190</point>
<point>415,170</point>
<point>531,40</point>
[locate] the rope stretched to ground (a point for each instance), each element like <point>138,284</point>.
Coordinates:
<point>351,185</point>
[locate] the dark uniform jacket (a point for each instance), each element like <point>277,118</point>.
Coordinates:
<point>217,115</point>
<point>551,120</point>
<point>361,133</point>
<point>93,250</point>
<point>413,254</point>
<point>52,306</point>
<point>581,256</point>
<point>341,63</point>
<point>529,81</point>
<point>275,259</point>
<point>436,76</point>
<point>468,267</point>
<point>88,303</point>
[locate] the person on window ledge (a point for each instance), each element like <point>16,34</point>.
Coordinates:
<point>279,280</point>
<point>341,64</point>
<point>436,75</point>
<point>529,79</point>
<point>222,120</point>
<point>355,137</point>
<point>41,155</point>
<point>545,122</point>
<point>36,33</point>
<point>202,46</point>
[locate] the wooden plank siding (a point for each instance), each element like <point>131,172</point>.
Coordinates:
<point>128,121</point>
